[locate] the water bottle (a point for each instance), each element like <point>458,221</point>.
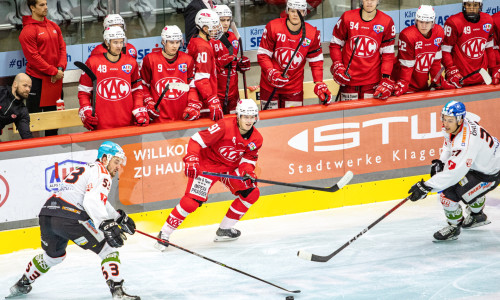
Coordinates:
<point>60,104</point>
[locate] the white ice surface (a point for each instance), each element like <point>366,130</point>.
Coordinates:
<point>394,260</point>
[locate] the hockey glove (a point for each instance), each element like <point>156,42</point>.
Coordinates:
<point>112,233</point>
<point>419,191</point>
<point>226,59</point>
<point>243,64</point>
<point>141,116</point>
<point>192,112</point>
<point>275,78</point>
<point>90,122</point>
<point>192,165</point>
<point>339,73</point>
<point>453,76</point>
<point>126,223</point>
<point>321,90</point>
<point>384,88</point>
<point>495,75</point>
<point>401,87</point>
<point>150,106</point>
<point>247,171</point>
<point>436,167</point>
<point>443,84</point>
<point>215,108</point>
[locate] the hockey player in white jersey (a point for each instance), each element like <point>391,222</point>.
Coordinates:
<point>80,212</point>
<point>468,168</point>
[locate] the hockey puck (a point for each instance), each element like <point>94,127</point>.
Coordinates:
<point>289,297</point>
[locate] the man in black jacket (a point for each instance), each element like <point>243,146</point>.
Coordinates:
<point>12,108</point>
<point>190,13</point>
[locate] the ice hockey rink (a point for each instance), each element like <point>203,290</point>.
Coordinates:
<point>394,260</point>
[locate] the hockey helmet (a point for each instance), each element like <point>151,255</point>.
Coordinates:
<point>296,4</point>
<point>209,18</point>
<point>247,107</point>
<point>113,33</point>
<point>361,3</point>
<point>473,16</point>
<point>114,19</point>
<point>425,13</point>
<point>454,109</point>
<point>223,11</point>
<point>111,149</point>
<point>171,33</point>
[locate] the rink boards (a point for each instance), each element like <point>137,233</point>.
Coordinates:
<point>388,145</point>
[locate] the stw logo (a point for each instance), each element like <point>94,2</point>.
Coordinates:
<point>423,62</point>
<point>367,46</point>
<point>113,89</point>
<point>229,153</point>
<point>474,47</point>
<point>170,94</point>
<point>283,56</point>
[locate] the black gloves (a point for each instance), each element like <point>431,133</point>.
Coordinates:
<point>419,191</point>
<point>112,233</point>
<point>126,223</point>
<point>437,166</point>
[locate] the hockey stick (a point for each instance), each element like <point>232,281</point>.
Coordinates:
<point>161,98</point>
<point>313,257</point>
<point>302,23</point>
<point>340,184</point>
<point>171,86</point>
<point>92,76</point>
<point>482,72</point>
<point>346,73</point>
<point>214,261</point>
<point>240,41</point>
<point>229,47</point>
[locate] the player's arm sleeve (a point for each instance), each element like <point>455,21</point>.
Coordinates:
<point>445,152</point>
<point>338,40</point>
<point>205,138</point>
<point>449,41</point>
<point>30,51</point>
<point>146,78</point>
<point>387,48</point>
<point>315,58</point>
<point>23,124</point>
<point>406,57</point>
<point>250,157</point>
<point>137,94</point>
<point>112,213</point>
<point>203,71</point>
<point>63,59</point>
<point>95,196</point>
<point>266,49</point>
<point>193,96</point>
<point>490,52</point>
<point>85,88</point>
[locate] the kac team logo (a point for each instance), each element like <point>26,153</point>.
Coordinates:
<point>306,42</point>
<point>4,190</point>
<point>378,28</point>
<point>170,94</point>
<point>437,41</point>
<point>367,46</point>
<point>487,27</point>
<point>113,89</point>
<point>183,68</point>
<point>474,47</point>
<point>55,174</point>
<point>283,56</point>
<point>127,68</point>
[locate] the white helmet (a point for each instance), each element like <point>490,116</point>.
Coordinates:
<point>223,11</point>
<point>296,4</point>
<point>113,33</point>
<point>114,19</point>
<point>247,107</point>
<point>171,33</point>
<point>425,13</point>
<point>207,17</point>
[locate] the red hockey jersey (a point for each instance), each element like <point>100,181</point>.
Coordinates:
<point>205,72</point>
<point>496,37</point>
<point>418,57</point>
<point>276,48</point>
<point>221,147</point>
<point>469,46</point>
<point>220,50</point>
<point>375,50</point>
<point>130,50</point>
<point>156,72</point>
<point>119,90</point>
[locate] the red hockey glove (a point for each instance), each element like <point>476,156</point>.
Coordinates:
<point>141,116</point>
<point>443,84</point>
<point>215,108</point>
<point>247,170</point>
<point>192,112</point>
<point>192,165</point>
<point>275,78</point>
<point>243,64</point>
<point>495,75</point>
<point>384,89</point>
<point>453,76</point>
<point>88,120</point>
<point>226,59</point>
<point>150,106</point>
<point>339,73</point>
<point>401,87</point>
<point>321,90</point>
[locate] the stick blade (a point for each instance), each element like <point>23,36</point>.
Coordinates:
<point>345,180</point>
<point>178,86</point>
<point>486,76</point>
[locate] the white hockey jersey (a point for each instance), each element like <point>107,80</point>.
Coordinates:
<point>473,148</point>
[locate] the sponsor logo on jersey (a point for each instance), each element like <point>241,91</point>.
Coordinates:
<point>283,56</point>
<point>306,42</point>
<point>127,68</point>
<point>252,146</point>
<point>170,94</point>
<point>487,27</point>
<point>437,41</point>
<point>56,173</point>
<point>235,44</point>
<point>367,46</point>
<point>451,165</point>
<point>423,62</point>
<point>230,153</point>
<point>474,47</point>
<point>378,28</point>
<point>132,52</point>
<point>82,241</point>
<point>183,68</point>
<point>113,89</point>
<point>468,163</point>
<point>104,198</point>
<point>4,190</point>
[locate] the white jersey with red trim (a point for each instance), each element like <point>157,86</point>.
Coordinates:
<point>87,188</point>
<point>220,50</point>
<point>375,49</point>
<point>473,148</point>
<point>418,57</point>
<point>205,70</point>
<point>276,48</point>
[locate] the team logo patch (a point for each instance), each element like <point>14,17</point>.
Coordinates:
<point>378,28</point>
<point>437,41</point>
<point>306,42</point>
<point>132,53</point>
<point>235,44</point>
<point>487,27</point>
<point>127,68</point>
<point>183,68</point>
<point>469,163</point>
<point>252,146</point>
<point>451,165</point>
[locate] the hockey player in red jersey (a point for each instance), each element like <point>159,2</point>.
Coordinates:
<point>169,66</point>
<point>495,71</point>
<point>419,55</point>
<point>468,44</point>
<point>205,78</point>
<point>371,66</point>
<point>119,91</point>
<point>115,20</point>
<point>229,146</point>
<point>224,61</point>
<point>279,40</point>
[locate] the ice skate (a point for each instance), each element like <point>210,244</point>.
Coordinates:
<point>475,220</point>
<point>118,293</point>
<point>448,233</point>
<point>224,235</point>
<point>22,287</point>
<point>159,245</point>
